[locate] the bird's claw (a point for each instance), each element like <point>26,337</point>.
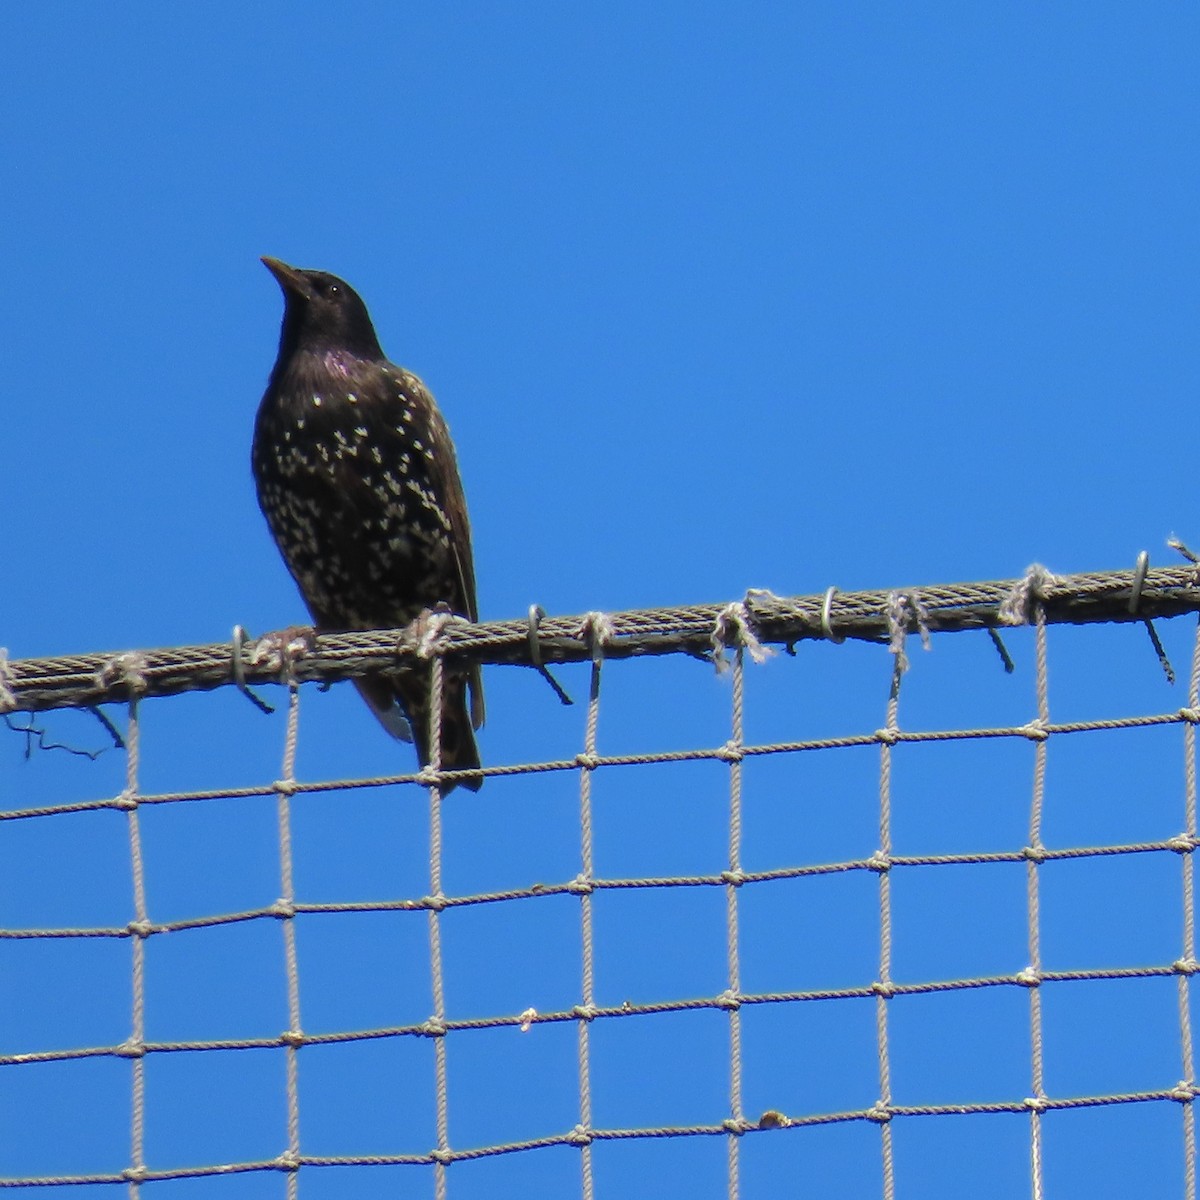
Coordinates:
<point>278,650</point>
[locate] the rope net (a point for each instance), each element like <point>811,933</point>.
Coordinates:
<point>855,934</point>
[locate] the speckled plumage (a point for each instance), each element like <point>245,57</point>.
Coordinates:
<point>357,477</point>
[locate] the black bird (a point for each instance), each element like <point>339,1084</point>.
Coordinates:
<point>357,478</point>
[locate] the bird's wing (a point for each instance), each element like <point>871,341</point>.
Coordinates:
<point>443,472</point>
<point>442,467</point>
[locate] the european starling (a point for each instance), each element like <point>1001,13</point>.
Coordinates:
<point>357,478</point>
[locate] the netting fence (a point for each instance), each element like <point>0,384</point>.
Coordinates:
<point>766,912</point>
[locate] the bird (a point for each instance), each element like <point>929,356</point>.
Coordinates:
<point>358,479</point>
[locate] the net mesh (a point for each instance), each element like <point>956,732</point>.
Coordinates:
<point>736,636</point>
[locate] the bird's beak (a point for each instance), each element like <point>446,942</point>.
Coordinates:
<point>292,282</point>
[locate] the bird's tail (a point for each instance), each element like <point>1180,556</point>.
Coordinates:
<point>401,702</point>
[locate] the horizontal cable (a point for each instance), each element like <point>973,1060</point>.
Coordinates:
<point>769,1121</point>
<point>1031,732</point>
<point>1179,844</point>
<point>528,1019</point>
<point>35,684</point>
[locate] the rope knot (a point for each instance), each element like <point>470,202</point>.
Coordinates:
<point>731,752</point>
<point>597,630</point>
<point>905,610</point>
<point>129,668</point>
<point>1018,606</point>
<point>428,777</point>
<point>8,699</point>
<point>733,628</point>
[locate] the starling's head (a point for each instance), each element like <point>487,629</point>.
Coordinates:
<point>322,312</point>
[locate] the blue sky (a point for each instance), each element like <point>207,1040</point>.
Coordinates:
<point>713,297</point>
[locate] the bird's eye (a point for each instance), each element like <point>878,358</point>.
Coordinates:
<point>334,290</point>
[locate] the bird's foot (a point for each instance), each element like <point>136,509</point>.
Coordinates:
<point>277,651</point>
<point>428,628</point>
